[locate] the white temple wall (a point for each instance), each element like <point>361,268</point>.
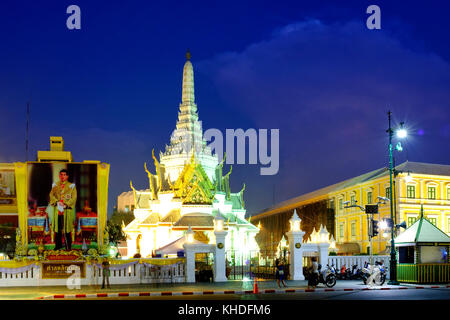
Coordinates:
<point>195,209</point>
<point>174,165</point>
<point>146,242</point>
<point>140,214</point>
<point>131,245</point>
<point>240,213</point>
<point>221,204</point>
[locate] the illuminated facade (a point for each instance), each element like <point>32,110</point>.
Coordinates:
<point>415,184</point>
<point>188,189</point>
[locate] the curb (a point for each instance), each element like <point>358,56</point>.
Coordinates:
<point>209,292</point>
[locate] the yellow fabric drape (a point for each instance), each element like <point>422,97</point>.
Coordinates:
<point>21,174</point>
<point>118,262</point>
<point>162,262</point>
<point>12,264</point>
<point>102,199</point>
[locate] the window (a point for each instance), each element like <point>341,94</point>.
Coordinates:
<point>388,192</point>
<point>332,204</point>
<point>341,204</point>
<point>411,221</point>
<point>411,192</point>
<point>369,197</point>
<point>353,229</point>
<point>432,193</point>
<point>127,209</point>
<point>353,199</point>
<point>448,193</point>
<point>341,230</point>
<point>448,225</point>
<point>433,221</point>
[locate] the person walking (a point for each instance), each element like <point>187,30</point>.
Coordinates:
<point>314,275</point>
<point>279,273</point>
<point>106,273</point>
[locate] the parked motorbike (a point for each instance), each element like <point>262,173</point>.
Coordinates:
<point>355,273</point>
<point>328,276</point>
<point>379,271</point>
<point>342,275</point>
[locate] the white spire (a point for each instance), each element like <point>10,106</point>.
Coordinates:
<point>188,96</point>
<point>188,134</point>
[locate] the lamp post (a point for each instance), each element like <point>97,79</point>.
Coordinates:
<point>393,261</point>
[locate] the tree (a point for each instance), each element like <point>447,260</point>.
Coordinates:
<point>118,216</point>
<point>7,239</point>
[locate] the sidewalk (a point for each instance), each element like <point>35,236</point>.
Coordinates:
<point>158,289</point>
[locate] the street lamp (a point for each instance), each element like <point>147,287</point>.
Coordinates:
<point>401,133</point>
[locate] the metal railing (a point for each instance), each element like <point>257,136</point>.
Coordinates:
<point>424,273</point>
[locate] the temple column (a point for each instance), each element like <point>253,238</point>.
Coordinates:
<point>189,250</point>
<point>295,236</point>
<point>296,254</point>
<point>219,257</point>
<point>323,254</point>
<point>131,245</point>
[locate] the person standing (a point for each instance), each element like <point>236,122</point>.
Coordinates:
<point>105,273</point>
<point>314,275</point>
<point>280,273</point>
<point>63,198</point>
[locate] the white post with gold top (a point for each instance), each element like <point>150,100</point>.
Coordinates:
<point>219,250</point>
<point>295,237</point>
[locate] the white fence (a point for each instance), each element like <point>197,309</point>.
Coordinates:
<point>349,261</point>
<point>129,274</point>
<point>144,273</point>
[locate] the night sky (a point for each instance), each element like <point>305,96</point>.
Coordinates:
<point>309,68</point>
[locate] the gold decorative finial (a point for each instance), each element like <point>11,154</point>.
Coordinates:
<point>188,55</point>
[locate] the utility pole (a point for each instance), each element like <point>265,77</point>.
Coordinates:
<point>27,131</point>
<point>393,260</point>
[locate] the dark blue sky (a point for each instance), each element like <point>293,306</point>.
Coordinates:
<point>311,69</point>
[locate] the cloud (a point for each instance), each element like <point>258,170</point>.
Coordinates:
<point>328,88</point>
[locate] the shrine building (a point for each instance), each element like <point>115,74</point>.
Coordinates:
<point>188,190</point>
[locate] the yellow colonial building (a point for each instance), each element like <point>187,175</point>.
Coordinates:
<point>415,184</point>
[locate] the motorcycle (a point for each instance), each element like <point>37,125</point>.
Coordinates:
<point>328,276</point>
<point>379,271</point>
<point>355,274</point>
<point>342,275</point>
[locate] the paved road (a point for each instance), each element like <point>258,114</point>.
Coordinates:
<point>418,294</point>
<point>22,293</point>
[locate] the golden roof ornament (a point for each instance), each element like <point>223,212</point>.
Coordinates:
<point>188,55</point>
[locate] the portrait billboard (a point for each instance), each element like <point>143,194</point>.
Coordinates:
<point>62,205</point>
<point>7,187</point>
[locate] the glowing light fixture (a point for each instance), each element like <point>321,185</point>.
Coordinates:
<point>218,222</point>
<point>332,243</point>
<point>408,178</point>
<point>323,234</point>
<point>295,222</point>
<point>190,235</point>
<point>383,225</point>
<point>401,132</point>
